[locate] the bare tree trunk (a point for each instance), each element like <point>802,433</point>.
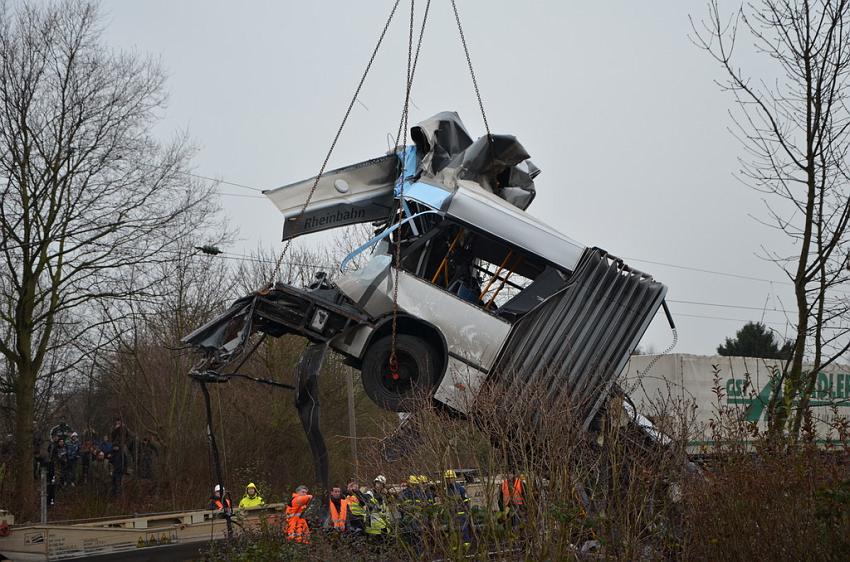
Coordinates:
<point>795,130</point>
<point>24,413</point>
<point>91,202</point>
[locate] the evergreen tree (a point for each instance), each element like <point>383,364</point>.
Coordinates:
<point>756,340</point>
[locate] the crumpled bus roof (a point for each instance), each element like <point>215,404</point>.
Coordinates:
<point>485,184</point>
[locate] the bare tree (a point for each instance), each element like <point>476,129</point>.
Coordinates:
<point>90,200</point>
<point>795,130</point>
<point>145,371</point>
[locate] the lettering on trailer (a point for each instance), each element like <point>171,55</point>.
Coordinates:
<point>339,217</point>
<point>93,544</point>
<point>71,544</point>
<point>831,389</point>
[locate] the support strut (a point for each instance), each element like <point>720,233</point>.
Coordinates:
<point>216,459</point>
<point>307,404</point>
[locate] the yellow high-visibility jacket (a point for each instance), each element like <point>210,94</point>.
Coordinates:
<point>248,501</point>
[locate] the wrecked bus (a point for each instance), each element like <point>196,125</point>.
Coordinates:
<point>481,290</point>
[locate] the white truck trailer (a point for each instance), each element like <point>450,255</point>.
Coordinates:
<point>706,387</point>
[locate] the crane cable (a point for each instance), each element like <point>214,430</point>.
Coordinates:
<point>472,72</point>
<point>401,136</point>
<point>300,216</point>
<point>215,459</point>
<point>393,361</point>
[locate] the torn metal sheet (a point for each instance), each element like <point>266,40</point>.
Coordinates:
<point>574,344</point>
<point>350,195</point>
<point>497,163</point>
<point>318,314</point>
<point>438,139</point>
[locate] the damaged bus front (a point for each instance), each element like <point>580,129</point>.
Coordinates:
<point>485,291</point>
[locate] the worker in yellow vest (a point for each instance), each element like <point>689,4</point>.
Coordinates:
<point>455,499</point>
<point>338,512</point>
<point>251,498</point>
<point>378,519</point>
<point>357,507</point>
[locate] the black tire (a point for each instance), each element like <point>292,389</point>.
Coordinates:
<point>417,372</point>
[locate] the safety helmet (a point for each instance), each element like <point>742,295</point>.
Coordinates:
<point>217,488</point>
<point>450,473</point>
<point>251,485</point>
<point>412,479</point>
<point>381,478</point>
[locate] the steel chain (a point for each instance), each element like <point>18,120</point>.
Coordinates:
<point>471,71</point>
<point>301,214</point>
<point>402,135</point>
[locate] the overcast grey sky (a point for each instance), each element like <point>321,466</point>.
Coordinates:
<point>611,99</point>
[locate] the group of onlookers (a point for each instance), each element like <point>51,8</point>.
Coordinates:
<point>100,463</point>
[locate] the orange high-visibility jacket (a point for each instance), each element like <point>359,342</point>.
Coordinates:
<point>298,504</point>
<point>296,526</point>
<point>338,518</point>
<point>512,496</point>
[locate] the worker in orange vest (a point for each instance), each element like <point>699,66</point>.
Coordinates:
<point>219,503</point>
<point>512,498</point>
<point>337,511</point>
<point>297,529</point>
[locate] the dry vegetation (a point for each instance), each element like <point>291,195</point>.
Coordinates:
<point>615,497</point>
<point>607,495</point>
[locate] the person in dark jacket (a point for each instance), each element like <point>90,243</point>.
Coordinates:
<point>118,459</point>
<point>59,458</point>
<point>39,449</point>
<point>86,458</point>
<point>106,445</point>
<point>459,504</point>
<point>73,446</point>
<point>50,468</point>
<point>121,436</point>
<point>147,450</point>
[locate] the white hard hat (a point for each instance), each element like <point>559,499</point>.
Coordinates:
<point>217,488</point>
<point>381,478</point>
